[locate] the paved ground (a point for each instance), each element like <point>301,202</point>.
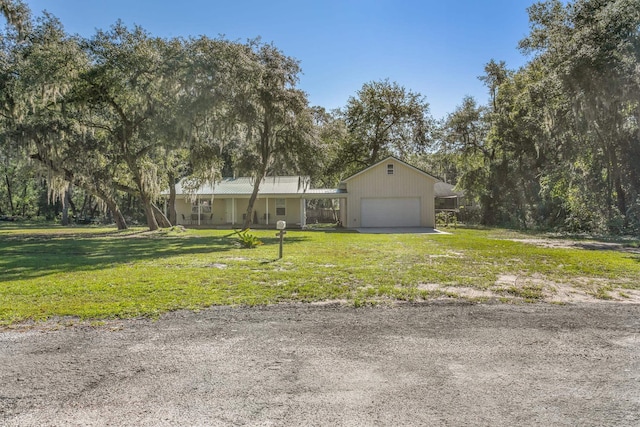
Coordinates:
<point>400,230</point>
<point>431,364</point>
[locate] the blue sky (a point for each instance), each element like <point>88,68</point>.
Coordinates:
<point>436,48</point>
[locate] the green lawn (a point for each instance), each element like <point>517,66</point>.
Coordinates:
<point>98,273</point>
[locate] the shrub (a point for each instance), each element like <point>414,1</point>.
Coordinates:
<point>444,219</point>
<point>248,240</point>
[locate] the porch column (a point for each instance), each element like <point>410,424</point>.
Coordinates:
<point>303,213</point>
<point>233,211</point>
<point>266,202</point>
<point>198,201</point>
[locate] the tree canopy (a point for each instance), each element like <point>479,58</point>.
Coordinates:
<point>106,122</point>
<point>123,114</point>
<point>560,142</point>
<point>383,118</point>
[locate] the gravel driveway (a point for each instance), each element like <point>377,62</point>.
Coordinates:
<point>430,364</point>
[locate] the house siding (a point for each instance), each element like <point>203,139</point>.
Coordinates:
<point>220,216</point>
<point>292,209</point>
<point>405,182</point>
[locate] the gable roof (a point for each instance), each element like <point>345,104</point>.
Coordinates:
<point>420,171</point>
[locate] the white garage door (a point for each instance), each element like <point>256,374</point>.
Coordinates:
<point>390,212</point>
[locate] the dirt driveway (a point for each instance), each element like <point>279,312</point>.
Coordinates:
<point>431,364</point>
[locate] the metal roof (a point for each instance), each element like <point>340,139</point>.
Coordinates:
<point>286,185</point>
<point>325,193</point>
<point>243,186</point>
<point>445,190</point>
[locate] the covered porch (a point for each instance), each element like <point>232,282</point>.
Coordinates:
<point>217,211</point>
<point>207,211</point>
<point>224,204</point>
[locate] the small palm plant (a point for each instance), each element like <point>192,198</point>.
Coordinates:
<point>248,240</point>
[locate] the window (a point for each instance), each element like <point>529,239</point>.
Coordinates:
<point>205,206</point>
<point>390,169</point>
<point>281,207</point>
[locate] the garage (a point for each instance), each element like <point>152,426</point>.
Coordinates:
<point>390,212</point>
<point>391,193</point>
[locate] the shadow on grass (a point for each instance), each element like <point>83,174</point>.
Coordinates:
<point>26,256</point>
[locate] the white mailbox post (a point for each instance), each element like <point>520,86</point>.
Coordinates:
<point>281,225</point>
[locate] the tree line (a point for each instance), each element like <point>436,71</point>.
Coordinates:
<point>104,123</point>
<point>558,145</point>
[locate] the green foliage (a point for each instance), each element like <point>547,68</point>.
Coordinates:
<point>446,219</point>
<point>17,14</point>
<point>122,114</point>
<point>247,239</point>
<point>383,119</point>
<point>528,292</point>
<point>558,146</point>
<point>593,49</point>
<point>332,132</point>
<point>602,292</point>
<point>275,124</point>
<point>20,189</point>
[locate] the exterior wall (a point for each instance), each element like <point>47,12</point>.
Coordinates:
<point>343,212</point>
<point>292,210</point>
<point>377,183</point>
<point>221,212</point>
<point>183,210</point>
<point>218,211</point>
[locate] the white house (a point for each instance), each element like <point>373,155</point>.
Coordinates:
<point>390,193</point>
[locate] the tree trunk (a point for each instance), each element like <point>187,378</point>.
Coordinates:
<point>334,214</point>
<point>621,200</point>
<point>148,212</point>
<point>374,154</point>
<point>65,206</point>
<point>9,195</point>
<point>93,207</point>
<point>144,195</point>
<point>254,195</point>
<point>72,206</point>
<point>121,223</point>
<point>112,206</point>
<point>24,203</point>
<point>173,215</point>
<point>161,219</point>
<point>97,191</point>
<point>86,200</point>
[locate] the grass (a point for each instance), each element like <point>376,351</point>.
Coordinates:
<point>100,273</point>
<point>530,293</point>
